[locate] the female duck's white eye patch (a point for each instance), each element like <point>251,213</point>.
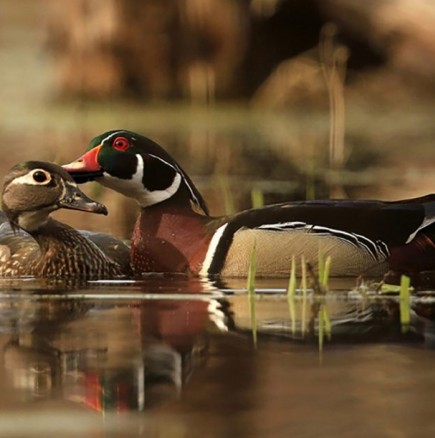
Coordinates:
<point>41,176</point>
<point>36,177</point>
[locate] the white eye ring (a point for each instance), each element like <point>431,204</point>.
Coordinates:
<point>40,177</point>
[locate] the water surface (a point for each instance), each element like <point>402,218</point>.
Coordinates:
<point>175,357</point>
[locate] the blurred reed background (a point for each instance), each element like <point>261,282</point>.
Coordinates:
<point>295,98</point>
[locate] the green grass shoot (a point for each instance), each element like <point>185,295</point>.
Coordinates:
<point>324,280</point>
<point>325,283</point>
<point>257,198</point>
<point>291,289</point>
<point>324,320</point>
<point>251,292</point>
<point>404,299</point>
<point>386,288</point>
<point>321,325</point>
<point>321,266</point>
<point>304,295</point>
<point>391,289</point>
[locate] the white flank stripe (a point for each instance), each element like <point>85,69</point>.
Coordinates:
<point>212,249</point>
<point>378,250</point>
<point>283,225</point>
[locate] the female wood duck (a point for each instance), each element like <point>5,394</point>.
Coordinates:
<point>174,232</point>
<point>46,247</point>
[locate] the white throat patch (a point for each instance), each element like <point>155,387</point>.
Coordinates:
<point>135,189</point>
<point>32,220</point>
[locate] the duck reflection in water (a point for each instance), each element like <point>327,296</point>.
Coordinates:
<point>113,357</point>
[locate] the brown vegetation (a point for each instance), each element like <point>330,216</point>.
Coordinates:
<point>203,50</point>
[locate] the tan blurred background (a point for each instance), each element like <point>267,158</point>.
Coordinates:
<point>241,92</point>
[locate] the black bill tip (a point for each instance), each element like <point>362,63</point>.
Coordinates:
<point>83,177</point>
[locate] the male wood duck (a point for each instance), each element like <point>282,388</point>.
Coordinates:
<point>34,244</point>
<point>174,232</point>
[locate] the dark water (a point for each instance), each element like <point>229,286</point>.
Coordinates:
<point>170,357</point>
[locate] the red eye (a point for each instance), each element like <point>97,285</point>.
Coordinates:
<point>120,143</point>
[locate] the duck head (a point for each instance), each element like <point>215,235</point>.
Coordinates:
<point>33,189</point>
<point>135,166</point>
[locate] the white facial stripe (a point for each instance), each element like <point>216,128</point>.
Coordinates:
<point>157,196</point>
<point>212,249</point>
<point>114,134</point>
<point>70,183</point>
<point>137,177</point>
<point>64,188</point>
<point>134,188</point>
<point>29,180</point>
<point>178,170</point>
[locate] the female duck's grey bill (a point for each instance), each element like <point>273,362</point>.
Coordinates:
<point>75,199</point>
<point>83,205</point>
